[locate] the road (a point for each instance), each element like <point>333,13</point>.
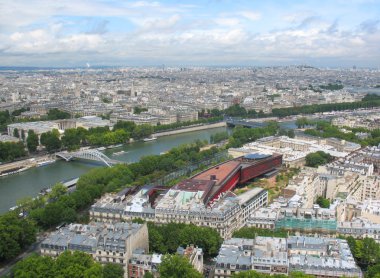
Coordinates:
<point>5,270</point>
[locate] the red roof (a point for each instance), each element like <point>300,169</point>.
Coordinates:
<point>195,185</point>
<point>219,172</point>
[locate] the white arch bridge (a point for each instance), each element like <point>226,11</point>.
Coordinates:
<point>91,155</point>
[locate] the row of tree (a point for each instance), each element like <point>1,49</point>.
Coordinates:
<point>367,254</point>
<point>11,150</point>
<point>218,137</point>
<point>81,265</point>
<point>167,238</point>
<point>67,264</point>
<point>252,232</point>
<point>324,129</point>
<point>371,100</point>
<point>242,135</point>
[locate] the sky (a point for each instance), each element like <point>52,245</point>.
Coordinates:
<point>68,33</point>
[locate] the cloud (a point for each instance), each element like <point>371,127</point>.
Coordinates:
<point>227,21</point>
<point>370,26</point>
<point>116,32</point>
<point>140,4</point>
<point>253,16</point>
<point>99,27</point>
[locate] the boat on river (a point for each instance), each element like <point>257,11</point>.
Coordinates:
<point>150,139</point>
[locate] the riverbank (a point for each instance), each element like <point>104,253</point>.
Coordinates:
<point>23,165</point>
<point>32,181</point>
<point>189,129</point>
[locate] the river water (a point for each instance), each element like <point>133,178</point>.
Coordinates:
<point>30,182</point>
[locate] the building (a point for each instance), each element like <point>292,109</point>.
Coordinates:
<point>262,254</point>
<point>204,200</point>
<point>105,242</point>
<point>182,205</point>
<point>294,151</point>
<point>140,263</point>
<point>321,257</point>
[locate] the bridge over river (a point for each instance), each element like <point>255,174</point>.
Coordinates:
<point>90,155</point>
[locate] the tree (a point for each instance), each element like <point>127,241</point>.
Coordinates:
<point>174,266</point>
<point>72,139</point>
<point>11,150</point>
<point>148,275</point>
<point>68,264</point>
<point>302,122</point>
<point>57,191</point>
<point>51,140</point>
<point>323,202</point>
<point>56,114</point>
<point>317,158</point>
<point>142,131</point>
<point>113,271</point>
<point>291,133</point>
<point>35,266</point>
<point>16,133</point>
<point>15,234</point>
<point>126,125</point>
<point>32,141</point>
<point>138,110</point>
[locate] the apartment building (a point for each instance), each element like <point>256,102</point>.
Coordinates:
<point>321,257</point>
<point>183,205</point>
<point>105,242</point>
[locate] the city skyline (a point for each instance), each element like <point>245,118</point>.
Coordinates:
<point>215,33</point>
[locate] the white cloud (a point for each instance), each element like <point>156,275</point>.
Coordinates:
<point>253,16</point>
<point>145,4</point>
<point>227,21</point>
<point>164,32</point>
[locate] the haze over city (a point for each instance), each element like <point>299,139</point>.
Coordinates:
<point>143,33</point>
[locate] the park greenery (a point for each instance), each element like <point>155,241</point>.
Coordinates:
<point>175,266</point>
<point>218,137</point>
<point>325,129</point>
<point>10,151</point>
<point>15,235</point>
<point>369,101</point>
<point>367,255</point>
<point>167,238</point>
<point>243,135</point>
<point>331,87</point>
<point>32,141</point>
<point>67,264</point>
<point>138,110</point>
<point>323,202</point>
<point>51,140</point>
<point>56,114</point>
<point>252,232</point>
<point>318,158</point>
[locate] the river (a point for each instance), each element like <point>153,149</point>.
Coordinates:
<point>30,182</point>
